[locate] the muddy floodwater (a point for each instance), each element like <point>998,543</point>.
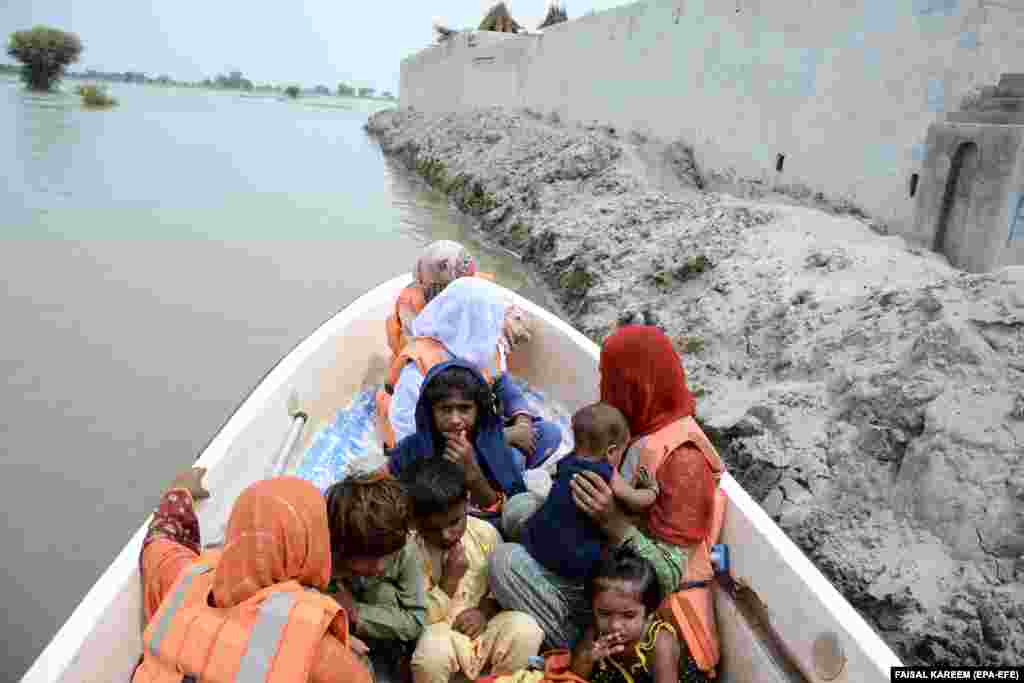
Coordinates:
<point>157,259</point>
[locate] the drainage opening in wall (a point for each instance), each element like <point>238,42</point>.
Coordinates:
<point>780,159</point>
<point>913,184</point>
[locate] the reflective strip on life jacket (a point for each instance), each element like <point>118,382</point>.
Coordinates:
<point>265,638</point>
<point>307,624</point>
<point>175,604</point>
<point>273,637</point>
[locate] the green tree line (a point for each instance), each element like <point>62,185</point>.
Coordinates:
<point>45,53</point>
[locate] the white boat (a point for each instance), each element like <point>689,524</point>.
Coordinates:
<point>789,625</point>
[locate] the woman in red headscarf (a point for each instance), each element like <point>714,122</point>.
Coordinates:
<point>642,376</point>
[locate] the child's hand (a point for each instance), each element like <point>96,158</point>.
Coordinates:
<point>644,480</point>
<point>459,450</point>
<point>343,596</point>
<point>607,645</point>
<point>191,480</point>
<point>520,435</point>
<point>358,646</point>
<point>455,567</point>
<point>620,487</point>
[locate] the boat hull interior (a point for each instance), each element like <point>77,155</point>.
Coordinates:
<point>787,622</point>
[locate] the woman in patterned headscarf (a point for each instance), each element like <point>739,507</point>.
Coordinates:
<point>440,264</point>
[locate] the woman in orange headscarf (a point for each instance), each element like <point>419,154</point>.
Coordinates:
<point>642,375</point>
<point>247,609</point>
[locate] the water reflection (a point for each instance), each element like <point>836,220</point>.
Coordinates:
<point>157,259</point>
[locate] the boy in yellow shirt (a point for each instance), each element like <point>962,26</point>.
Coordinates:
<point>466,629</point>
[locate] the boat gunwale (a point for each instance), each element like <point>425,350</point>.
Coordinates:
<point>64,648</point>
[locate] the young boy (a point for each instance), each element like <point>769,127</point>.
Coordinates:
<point>467,631</point>
<point>376,570</point>
<point>561,537</point>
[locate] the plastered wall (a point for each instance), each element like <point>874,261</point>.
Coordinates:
<point>845,89</point>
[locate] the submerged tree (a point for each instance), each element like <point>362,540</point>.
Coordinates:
<point>556,15</point>
<point>499,19</point>
<point>292,91</point>
<point>44,53</point>
<point>345,90</point>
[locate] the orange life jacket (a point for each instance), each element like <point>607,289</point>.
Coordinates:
<point>411,297</point>
<point>692,609</point>
<point>681,515</point>
<point>273,636</point>
<point>426,353</point>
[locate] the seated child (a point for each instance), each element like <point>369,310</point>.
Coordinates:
<point>376,573</point>
<point>628,642</point>
<point>467,631</point>
<point>561,537</point>
<point>456,420</point>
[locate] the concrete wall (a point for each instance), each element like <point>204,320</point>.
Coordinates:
<point>845,89</point>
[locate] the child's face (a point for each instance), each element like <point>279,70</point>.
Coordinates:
<point>618,608</point>
<point>361,565</point>
<point>455,414</point>
<point>443,529</point>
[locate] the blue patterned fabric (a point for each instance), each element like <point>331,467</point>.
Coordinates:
<point>349,443</point>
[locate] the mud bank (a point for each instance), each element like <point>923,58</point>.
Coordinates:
<point>867,394</point>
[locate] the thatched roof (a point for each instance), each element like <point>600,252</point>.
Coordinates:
<point>443,33</point>
<point>499,19</point>
<point>556,15</point>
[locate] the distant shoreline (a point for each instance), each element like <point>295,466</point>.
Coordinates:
<point>138,78</point>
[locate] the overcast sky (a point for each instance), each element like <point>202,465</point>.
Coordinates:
<point>305,41</point>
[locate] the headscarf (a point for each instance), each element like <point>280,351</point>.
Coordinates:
<point>642,375</point>
<point>467,318</point>
<point>440,264</point>
<point>277,532</point>
<point>492,452</point>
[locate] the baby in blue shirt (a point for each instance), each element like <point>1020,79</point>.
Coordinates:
<point>561,537</point>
